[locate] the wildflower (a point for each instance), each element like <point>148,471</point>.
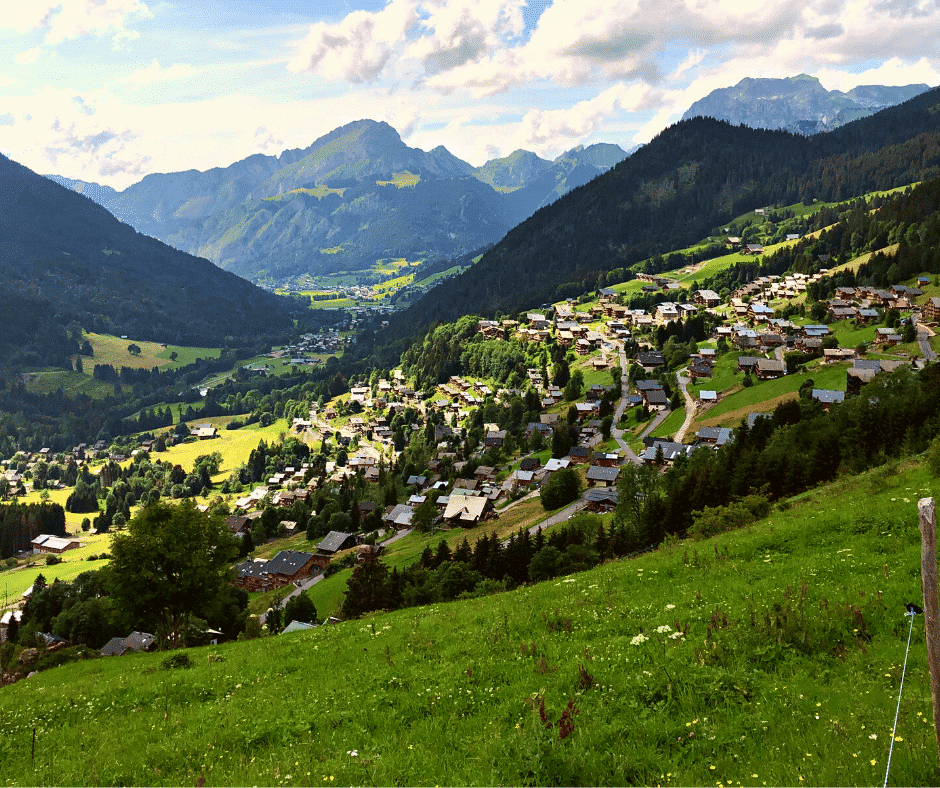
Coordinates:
<point>638,639</point>
<point>676,635</point>
<point>873,761</point>
<point>352,753</point>
<point>873,736</point>
<point>670,607</point>
<point>664,629</point>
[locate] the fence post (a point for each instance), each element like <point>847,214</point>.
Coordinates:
<point>927,511</point>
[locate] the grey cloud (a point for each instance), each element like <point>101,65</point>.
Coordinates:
<point>110,167</point>
<point>902,8</point>
<point>833,30</point>
<point>472,47</point>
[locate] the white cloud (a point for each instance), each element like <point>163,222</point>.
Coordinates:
<point>566,127</point>
<point>157,73</point>
<point>62,20</point>
<point>358,48</point>
<point>464,31</point>
<point>891,72</point>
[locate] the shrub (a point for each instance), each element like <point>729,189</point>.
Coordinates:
<point>714,520</point>
<point>933,457</point>
<point>175,661</point>
<point>563,487</point>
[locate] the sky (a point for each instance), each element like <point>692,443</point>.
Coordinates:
<point>111,90</point>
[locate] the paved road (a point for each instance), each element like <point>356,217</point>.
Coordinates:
<point>558,517</point>
<point>923,339</point>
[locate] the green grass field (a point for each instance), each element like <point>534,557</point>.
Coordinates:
<point>113,350</point>
<point>771,654</point>
<point>670,425</point>
<point>14,582</point>
<point>233,445</point>
<point>765,395</point>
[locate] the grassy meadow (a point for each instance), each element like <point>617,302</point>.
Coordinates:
<point>769,655</point>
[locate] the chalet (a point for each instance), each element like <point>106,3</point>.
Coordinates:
<point>837,354</point>
<point>747,363</point>
<point>585,409</point>
<point>808,344</point>
<point>827,398</point>
<point>769,369</point>
<point>857,377</point>
<point>866,315</point>
<point>708,298</point>
<point>816,331</point>
<point>700,369</point>
<point>578,455</point>
<point>758,312</point>
<point>655,399</point>
<point>842,312</point>
<point>599,475</point>
<point>931,310</point>
<point>706,395</point>
<point>238,524</point>
<point>601,499</point>
<point>537,426</point>
<point>46,543</point>
<point>485,473</point>
<point>552,465</point>
<point>204,432</point>
<point>650,360</point>
<point>494,439</point>
<point>467,510</point>
<point>529,464</point>
<point>887,337</point>
<point>607,459</point>
<point>136,641</point>
<point>520,479</point>
<point>753,249</point>
<point>752,418</point>
<point>465,484</point>
<point>399,516</point>
<point>715,436</point>
<point>667,312</point>
<point>668,449</point>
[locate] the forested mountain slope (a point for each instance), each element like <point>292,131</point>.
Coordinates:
<point>677,190</point>
<point>64,258</point>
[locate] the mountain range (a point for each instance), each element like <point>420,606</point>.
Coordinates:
<point>691,179</point>
<point>799,104</point>
<point>356,195</point>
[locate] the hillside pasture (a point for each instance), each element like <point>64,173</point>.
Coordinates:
<point>786,670</point>
<point>113,350</point>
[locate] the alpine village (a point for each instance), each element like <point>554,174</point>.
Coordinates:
<point>598,471</point>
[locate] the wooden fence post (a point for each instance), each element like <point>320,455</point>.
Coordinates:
<point>927,511</point>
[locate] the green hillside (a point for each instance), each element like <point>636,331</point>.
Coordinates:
<point>770,655</point>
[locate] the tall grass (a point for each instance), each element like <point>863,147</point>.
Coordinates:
<point>767,655</point>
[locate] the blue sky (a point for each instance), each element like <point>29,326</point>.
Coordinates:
<point>111,90</point>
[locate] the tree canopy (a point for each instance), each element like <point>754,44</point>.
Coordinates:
<point>170,565</point>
